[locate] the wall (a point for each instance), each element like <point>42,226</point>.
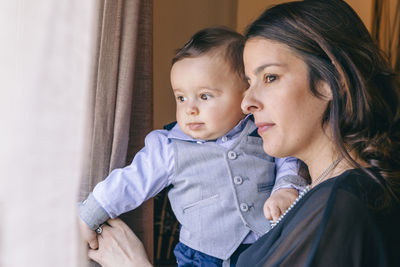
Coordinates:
<point>249,10</point>
<point>364,10</point>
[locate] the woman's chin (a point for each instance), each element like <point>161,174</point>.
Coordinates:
<point>272,150</point>
<point>268,149</point>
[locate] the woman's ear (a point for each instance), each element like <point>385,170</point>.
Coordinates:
<point>325,90</point>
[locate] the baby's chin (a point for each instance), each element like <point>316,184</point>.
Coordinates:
<point>201,136</point>
<point>198,137</point>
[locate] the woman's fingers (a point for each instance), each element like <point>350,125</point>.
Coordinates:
<point>119,246</point>
<point>115,222</point>
<point>96,254</point>
<point>93,254</point>
<point>122,231</point>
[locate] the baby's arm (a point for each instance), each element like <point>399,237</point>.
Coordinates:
<point>91,216</point>
<point>286,188</point>
<point>127,188</point>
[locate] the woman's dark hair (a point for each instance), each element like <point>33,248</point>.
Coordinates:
<point>225,42</point>
<point>337,48</point>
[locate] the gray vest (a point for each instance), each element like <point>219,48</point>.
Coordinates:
<point>218,193</point>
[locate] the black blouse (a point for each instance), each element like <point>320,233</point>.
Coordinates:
<point>334,224</point>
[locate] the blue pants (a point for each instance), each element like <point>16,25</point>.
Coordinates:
<point>188,257</point>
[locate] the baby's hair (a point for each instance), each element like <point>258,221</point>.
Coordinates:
<point>221,40</point>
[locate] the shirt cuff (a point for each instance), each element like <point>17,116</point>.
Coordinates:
<point>92,213</point>
<point>290,181</point>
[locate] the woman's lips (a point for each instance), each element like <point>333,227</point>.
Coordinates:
<point>194,125</point>
<point>263,127</point>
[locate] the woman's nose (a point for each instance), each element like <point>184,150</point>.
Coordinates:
<point>250,103</point>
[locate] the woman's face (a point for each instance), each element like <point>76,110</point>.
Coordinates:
<point>286,113</point>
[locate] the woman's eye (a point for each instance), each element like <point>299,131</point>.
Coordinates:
<point>270,78</point>
<point>181,98</point>
<point>247,82</point>
<point>205,96</point>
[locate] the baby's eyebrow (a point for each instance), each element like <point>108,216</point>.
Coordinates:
<point>177,90</point>
<point>209,89</point>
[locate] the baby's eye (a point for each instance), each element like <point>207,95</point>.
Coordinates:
<point>205,96</point>
<point>181,98</point>
<point>269,78</point>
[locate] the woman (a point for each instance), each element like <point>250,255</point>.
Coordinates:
<point>321,91</point>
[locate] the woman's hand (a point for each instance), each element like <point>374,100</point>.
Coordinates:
<point>119,247</point>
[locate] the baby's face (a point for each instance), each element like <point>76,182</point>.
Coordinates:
<point>208,96</point>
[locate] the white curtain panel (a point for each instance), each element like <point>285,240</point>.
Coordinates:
<point>46,51</point>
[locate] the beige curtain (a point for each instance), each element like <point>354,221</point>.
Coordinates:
<point>121,113</point>
<point>45,62</point>
<point>386,29</point>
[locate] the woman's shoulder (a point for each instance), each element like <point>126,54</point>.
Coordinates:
<point>355,194</point>
<point>364,190</point>
<point>360,184</point>
<point>356,204</point>
<point>354,182</point>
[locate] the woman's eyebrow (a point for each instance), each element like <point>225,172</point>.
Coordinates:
<point>259,69</point>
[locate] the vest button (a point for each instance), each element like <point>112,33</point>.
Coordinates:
<point>238,180</point>
<point>244,207</point>
<point>232,155</point>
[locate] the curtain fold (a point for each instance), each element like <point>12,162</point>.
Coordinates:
<point>122,94</point>
<point>386,29</point>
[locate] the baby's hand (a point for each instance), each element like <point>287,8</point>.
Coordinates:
<point>88,235</point>
<point>279,202</point>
